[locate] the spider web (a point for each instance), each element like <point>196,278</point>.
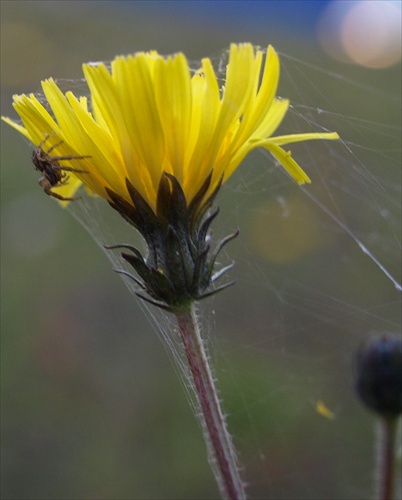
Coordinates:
<point>307,306</point>
<point>317,271</point>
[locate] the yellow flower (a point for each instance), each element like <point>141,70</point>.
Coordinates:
<point>150,115</point>
<point>156,141</point>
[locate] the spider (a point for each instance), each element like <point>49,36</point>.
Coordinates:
<point>53,173</point>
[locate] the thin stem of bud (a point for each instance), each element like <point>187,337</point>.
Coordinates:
<point>386,458</point>
<point>222,455</point>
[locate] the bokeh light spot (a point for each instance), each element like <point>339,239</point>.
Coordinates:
<point>366,32</point>
<point>282,231</point>
<point>371,34</point>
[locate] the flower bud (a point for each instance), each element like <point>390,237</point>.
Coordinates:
<point>378,375</point>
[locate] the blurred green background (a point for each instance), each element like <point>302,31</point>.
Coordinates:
<point>91,406</point>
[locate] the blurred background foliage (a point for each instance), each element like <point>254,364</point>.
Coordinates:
<point>91,407</point>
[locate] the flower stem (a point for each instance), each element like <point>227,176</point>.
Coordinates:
<point>221,452</point>
<point>387,450</point>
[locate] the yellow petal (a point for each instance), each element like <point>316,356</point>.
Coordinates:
<point>173,97</point>
<point>292,138</point>
<point>20,128</point>
<point>287,162</point>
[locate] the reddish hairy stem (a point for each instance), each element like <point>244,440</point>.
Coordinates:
<point>220,448</point>
<point>386,465</point>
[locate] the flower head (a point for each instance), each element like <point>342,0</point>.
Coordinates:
<point>379,374</point>
<point>157,140</point>
<point>149,115</point>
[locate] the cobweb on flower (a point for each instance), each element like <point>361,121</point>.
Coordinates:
<point>318,272</point>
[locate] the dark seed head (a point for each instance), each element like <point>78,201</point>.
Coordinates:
<point>379,375</point>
